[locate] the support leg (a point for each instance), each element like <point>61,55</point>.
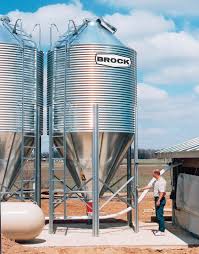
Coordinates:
<point>129,186</point>
<point>136,219</point>
<point>38,160</point>
<point>95,165</point>
<point>51,176</point>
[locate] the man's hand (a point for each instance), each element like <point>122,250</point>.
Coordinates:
<point>139,189</point>
<point>158,203</point>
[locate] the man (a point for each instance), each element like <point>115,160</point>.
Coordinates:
<point>159,189</point>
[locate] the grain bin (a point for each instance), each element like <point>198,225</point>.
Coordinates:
<point>21,77</point>
<point>89,65</point>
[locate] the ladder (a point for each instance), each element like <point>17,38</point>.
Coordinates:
<point>53,179</point>
<point>29,148</point>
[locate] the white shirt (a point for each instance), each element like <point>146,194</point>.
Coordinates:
<point>159,186</point>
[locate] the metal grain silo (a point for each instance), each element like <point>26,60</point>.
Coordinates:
<point>90,65</point>
<point>21,86</point>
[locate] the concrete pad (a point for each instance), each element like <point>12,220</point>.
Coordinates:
<point>114,234</point>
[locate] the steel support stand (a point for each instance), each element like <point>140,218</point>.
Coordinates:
<point>129,187</point>
<point>136,219</point>
<point>95,165</point>
<point>51,187</point>
<point>38,159</point>
<point>22,135</point>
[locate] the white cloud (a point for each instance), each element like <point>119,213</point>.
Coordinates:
<point>150,137</point>
<point>170,58</point>
<point>59,14</point>
<point>167,49</point>
<point>159,48</point>
<point>175,116</point>
<point>164,56</point>
<point>139,24</point>
<point>175,75</point>
<point>147,92</point>
<point>173,7</point>
<point>196,89</point>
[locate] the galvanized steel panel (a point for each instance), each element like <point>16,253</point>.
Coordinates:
<point>18,80</point>
<point>21,71</point>
<point>75,82</point>
<point>114,89</point>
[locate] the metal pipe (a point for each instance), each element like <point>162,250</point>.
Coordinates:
<point>51,197</point>
<point>38,159</point>
<point>129,186</point>
<point>22,131</point>
<point>95,165</point>
<point>118,196</point>
<point>136,215</point>
<point>64,133</point>
<point>51,33</point>
<point>15,26</point>
<point>115,194</point>
<point>102,217</point>
<point>38,25</point>
<point>73,23</point>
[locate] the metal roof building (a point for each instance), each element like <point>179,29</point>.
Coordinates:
<point>187,149</point>
<point>185,183</point>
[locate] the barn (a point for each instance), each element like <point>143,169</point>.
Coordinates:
<point>185,183</point>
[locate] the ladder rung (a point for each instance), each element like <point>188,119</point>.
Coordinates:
<point>73,192</point>
<point>19,182</point>
<point>58,202</point>
<point>28,180</point>
<point>33,147</point>
<point>27,191</point>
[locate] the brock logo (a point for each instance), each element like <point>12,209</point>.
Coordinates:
<point>113,60</point>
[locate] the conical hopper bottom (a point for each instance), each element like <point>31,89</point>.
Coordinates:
<point>112,149</point>
<point>10,157</point>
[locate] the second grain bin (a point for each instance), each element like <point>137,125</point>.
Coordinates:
<point>21,77</point>
<point>89,65</point>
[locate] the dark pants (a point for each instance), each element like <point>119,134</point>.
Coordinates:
<point>160,213</point>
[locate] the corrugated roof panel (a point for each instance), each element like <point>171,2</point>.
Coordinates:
<point>187,146</point>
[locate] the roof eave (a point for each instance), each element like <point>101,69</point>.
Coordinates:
<point>178,155</point>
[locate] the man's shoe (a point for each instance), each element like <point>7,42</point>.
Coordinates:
<point>159,233</point>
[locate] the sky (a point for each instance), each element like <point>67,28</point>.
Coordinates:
<point>165,34</point>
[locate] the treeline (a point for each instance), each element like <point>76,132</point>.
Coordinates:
<point>142,154</point>
<point>45,155</point>
<point>146,153</point>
